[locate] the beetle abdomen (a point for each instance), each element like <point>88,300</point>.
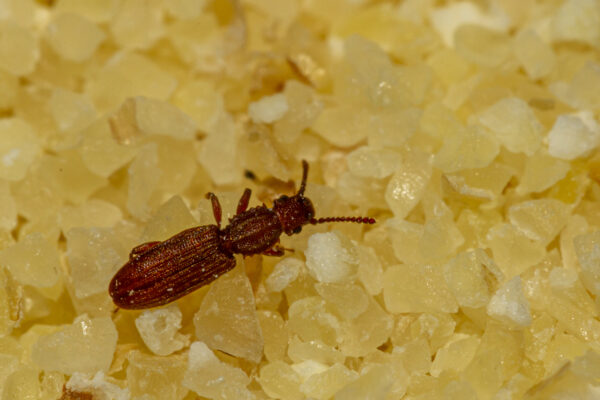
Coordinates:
<point>171,269</point>
<point>252,231</point>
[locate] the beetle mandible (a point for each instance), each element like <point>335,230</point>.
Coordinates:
<point>158,273</point>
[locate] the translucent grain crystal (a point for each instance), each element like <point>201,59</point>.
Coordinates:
<point>364,334</point>
<point>484,183</point>
<point>324,385</point>
<point>587,248</point>
<point>100,152</point>
<point>577,20</point>
<point>66,174</point>
<point>275,334</point>
<point>171,218</point>
<point>573,136</point>
<point>159,330</point>
<point>19,147</point>
<point>368,162</point>
<point>209,377</point>
<point>315,350</point>
<point>367,76</point>
<point>157,378</point>
<point>201,101</point>
<point>541,172</point>
<point>94,255</point>
<point>347,299</point>
<point>127,75</point>
<point>373,383</point>
<point>304,106</point>
<point>144,176</point>
<point>227,317</point>
<point>279,380</point>
<point>22,384</point>
<point>407,185</point>
<point>343,126</point>
<point>185,9</point>
<point>8,210</point>
<point>330,257</point>
<point>416,288</point>
<point>219,154</point>
<point>536,56</point>
<point>473,147</point>
<point>490,368</point>
<point>513,250</point>
<point>509,304</point>
<point>137,23</point>
<point>370,271</point>
<point>33,261</point>
<point>482,46</point>
<point>310,319</point>
<point>85,346</point>
<point>285,272</point>
<point>156,117</point>
<point>94,10</point>
<point>538,335</point>
<point>268,109</point>
<point>514,124</point>
<point>93,212</point>
<point>456,354</point>
<point>447,19</point>
<point>540,220</point>
<point>580,91</point>
<point>19,52</point>
<point>74,37</point>
<point>392,128</point>
<point>72,113</point>
<point>466,279</point>
<point>440,237</point>
<point>405,238</point>
<point>8,89</point>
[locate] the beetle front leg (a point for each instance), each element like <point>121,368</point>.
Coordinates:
<point>244,200</point>
<point>216,206</point>
<point>141,249</point>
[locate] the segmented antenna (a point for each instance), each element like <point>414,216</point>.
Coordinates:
<point>304,176</point>
<point>358,220</point>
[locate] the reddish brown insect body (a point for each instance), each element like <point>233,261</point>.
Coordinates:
<point>158,273</point>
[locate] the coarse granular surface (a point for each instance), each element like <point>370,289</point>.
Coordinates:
<point>469,129</point>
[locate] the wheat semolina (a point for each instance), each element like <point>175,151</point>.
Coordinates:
<point>469,130</point>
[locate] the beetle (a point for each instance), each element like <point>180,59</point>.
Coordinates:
<point>158,273</point>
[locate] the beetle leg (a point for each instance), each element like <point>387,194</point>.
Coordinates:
<point>244,200</point>
<point>141,249</point>
<point>216,206</point>
<point>276,251</point>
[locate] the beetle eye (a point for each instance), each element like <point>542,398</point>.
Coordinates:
<point>298,229</point>
<point>283,197</point>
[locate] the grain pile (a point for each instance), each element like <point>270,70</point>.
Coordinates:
<point>468,129</point>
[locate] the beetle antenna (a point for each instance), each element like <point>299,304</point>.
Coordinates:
<point>304,176</point>
<point>358,220</point>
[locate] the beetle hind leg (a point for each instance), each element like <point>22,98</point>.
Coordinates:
<point>276,251</point>
<point>141,249</point>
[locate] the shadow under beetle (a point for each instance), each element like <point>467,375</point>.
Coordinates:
<point>158,273</point>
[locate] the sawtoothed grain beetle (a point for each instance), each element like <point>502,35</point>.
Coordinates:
<point>158,273</point>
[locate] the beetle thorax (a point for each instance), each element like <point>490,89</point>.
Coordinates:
<point>251,232</point>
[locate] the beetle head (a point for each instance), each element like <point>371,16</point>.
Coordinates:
<point>297,210</point>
